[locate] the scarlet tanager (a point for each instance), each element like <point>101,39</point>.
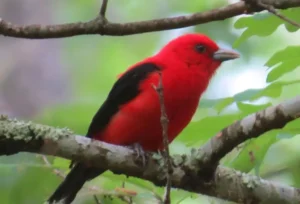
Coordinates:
<point>131,113</point>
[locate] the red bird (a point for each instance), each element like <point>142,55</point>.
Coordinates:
<point>131,113</point>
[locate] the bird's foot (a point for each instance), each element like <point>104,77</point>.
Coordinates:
<point>140,152</point>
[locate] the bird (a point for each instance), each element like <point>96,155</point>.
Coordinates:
<point>131,112</point>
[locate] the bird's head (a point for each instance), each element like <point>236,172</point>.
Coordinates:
<point>197,51</point>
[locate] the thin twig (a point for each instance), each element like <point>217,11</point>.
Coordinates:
<point>103,8</point>
<point>96,200</point>
<point>164,123</point>
<point>55,171</point>
<point>92,189</point>
<point>272,10</point>
<point>63,175</point>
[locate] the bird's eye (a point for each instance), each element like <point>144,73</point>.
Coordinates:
<point>200,48</point>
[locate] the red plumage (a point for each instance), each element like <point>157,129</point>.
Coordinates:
<point>131,113</point>
<point>184,80</point>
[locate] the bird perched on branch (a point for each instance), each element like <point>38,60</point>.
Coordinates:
<point>131,113</point>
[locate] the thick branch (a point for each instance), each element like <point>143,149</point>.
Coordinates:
<point>250,127</point>
<point>17,136</point>
<point>103,27</point>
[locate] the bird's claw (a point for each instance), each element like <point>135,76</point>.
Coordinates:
<point>140,153</point>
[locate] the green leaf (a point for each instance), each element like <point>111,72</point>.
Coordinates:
<point>223,104</point>
<point>246,95</point>
<point>293,14</point>
<point>68,116</point>
<point>274,90</point>
<point>293,125</point>
<point>290,52</point>
<point>256,26</point>
<point>147,185</point>
<point>288,60</point>
<point>285,67</point>
<point>252,152</point>
<point>197,133</point>
<point>61,163</point>
<point>178,195</point>
<point>296,176</point>
<point>208,103</point>
<point>34,184</point>
<point>22,158</point>
<point>264,24</point>
<point>282,155</point>
<point>249,108</point>
<point>284,135</point>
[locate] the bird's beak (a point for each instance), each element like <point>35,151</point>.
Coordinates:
<point>224,55</point>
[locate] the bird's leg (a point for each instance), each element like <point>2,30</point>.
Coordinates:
<point>140,152</point>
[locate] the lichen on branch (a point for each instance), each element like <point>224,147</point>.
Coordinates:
<point>189,171</point>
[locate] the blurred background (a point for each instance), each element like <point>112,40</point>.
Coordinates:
<point>62,83</point>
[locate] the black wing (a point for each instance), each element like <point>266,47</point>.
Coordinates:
<point>125,89</point>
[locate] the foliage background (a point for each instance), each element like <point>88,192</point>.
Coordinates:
<point>63,82</point>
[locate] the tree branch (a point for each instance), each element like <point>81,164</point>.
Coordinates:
<point>252,126</point>
<point>17,136</point>
<point>103,27</point>
<point>271,9</point>
<point>103,8</point>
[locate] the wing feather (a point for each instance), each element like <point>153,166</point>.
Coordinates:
<point>125,89</point>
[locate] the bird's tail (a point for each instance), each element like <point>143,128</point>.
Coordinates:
<point>67,190</point>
